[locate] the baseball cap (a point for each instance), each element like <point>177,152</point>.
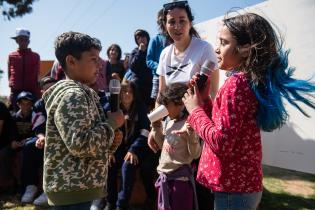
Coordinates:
<point>25,95</point>
<point>21,32</point>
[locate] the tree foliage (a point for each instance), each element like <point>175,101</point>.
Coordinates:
<point>15,8</point>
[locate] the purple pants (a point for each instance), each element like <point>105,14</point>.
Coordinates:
<point>181,195</point>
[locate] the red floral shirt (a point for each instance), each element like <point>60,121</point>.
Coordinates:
<point>232,153</point>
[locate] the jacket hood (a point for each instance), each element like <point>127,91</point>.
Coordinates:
<point>57,90</point>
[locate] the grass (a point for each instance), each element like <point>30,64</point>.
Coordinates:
<point>287,190</point>
<point>283,190</point>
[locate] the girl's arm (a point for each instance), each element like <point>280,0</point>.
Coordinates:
<point>193,142</point>
<point>157,134</point>
<point>144,126</point>
<point>220,131</point>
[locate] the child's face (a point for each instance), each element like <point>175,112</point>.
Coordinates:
<point>22,41</point>
<point>113,53</point>
<point>228,56</point>
<point>87,67</point>
<point>142,40</point>
<point>126,96</point>
<point>174,110</point>
<point>25,106</point>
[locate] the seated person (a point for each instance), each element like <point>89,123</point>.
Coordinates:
<point>7,135</point>
<point>132,153</point>
<point>33,151</point>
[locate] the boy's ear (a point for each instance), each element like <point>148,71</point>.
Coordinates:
<point>70,61</point>
<point>244,50</point>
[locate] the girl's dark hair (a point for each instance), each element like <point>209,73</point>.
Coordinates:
<point>133,109</point>
<point>117,48</point>
<point>180,5</point>
<point>267,69</point>
<point>160,22</point>
<point>173,93</point>
<point>141,33</point>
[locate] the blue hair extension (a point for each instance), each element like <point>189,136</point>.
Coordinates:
<point>280,85</point>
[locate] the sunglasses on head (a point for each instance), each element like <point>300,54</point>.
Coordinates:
<point>172,5</point>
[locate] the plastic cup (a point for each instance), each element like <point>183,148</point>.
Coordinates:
<point>158,113</point>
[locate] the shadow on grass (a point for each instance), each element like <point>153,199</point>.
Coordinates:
<point>286,174</point>
<point>11,200</point>
<point>284,201</point>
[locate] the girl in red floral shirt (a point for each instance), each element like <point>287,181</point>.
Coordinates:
<point>249,101</point>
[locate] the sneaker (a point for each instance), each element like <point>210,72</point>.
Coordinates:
<point>29,194</point>
<point>41,200</point>
<point>97,204</point>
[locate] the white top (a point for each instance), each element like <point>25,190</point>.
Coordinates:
<point>182,67</point>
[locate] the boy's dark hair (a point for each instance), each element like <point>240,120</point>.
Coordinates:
<point>46,80</point>
<point>118,50</point>
<point>74,43</point>
<point>180,5</point>
<point>173,93</point>
<point>141,33</point>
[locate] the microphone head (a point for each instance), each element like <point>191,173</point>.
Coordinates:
<point>114,86</point>
<point>207,67</point>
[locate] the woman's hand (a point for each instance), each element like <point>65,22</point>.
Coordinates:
<point>132,158</point>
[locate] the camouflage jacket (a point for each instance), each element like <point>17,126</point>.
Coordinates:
<point>78,138</point>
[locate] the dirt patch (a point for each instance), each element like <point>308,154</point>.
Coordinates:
<point>298,187</point>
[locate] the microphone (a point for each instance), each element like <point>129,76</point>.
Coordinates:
<point>205,71</point>
<point>114,89</point>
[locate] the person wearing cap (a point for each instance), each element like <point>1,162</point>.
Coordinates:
<point>23,67</point>
<point>23,118</point>
<point>33,151</point>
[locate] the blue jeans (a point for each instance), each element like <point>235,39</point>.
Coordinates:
<point>78,206</point>
<point>236,201</point>
<point>32,163</point>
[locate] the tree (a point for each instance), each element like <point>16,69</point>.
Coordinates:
<point>15,8</point>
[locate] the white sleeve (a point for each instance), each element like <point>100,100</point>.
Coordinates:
<point>209,54</point>
<point>161,69</point>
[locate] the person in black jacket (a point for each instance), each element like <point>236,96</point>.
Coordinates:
<point>138,65</point>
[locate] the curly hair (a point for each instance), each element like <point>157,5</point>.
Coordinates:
<point>74,43</point>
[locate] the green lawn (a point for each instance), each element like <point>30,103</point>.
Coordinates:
<point>287,190</point>
<point>283,190</point>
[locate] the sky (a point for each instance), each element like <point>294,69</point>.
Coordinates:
<point>111,21</point>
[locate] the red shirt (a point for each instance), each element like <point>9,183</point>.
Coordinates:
<point>232,153</point>
<point>23,70</point>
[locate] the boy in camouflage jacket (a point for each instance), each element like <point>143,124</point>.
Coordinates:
<point>78,136</point>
